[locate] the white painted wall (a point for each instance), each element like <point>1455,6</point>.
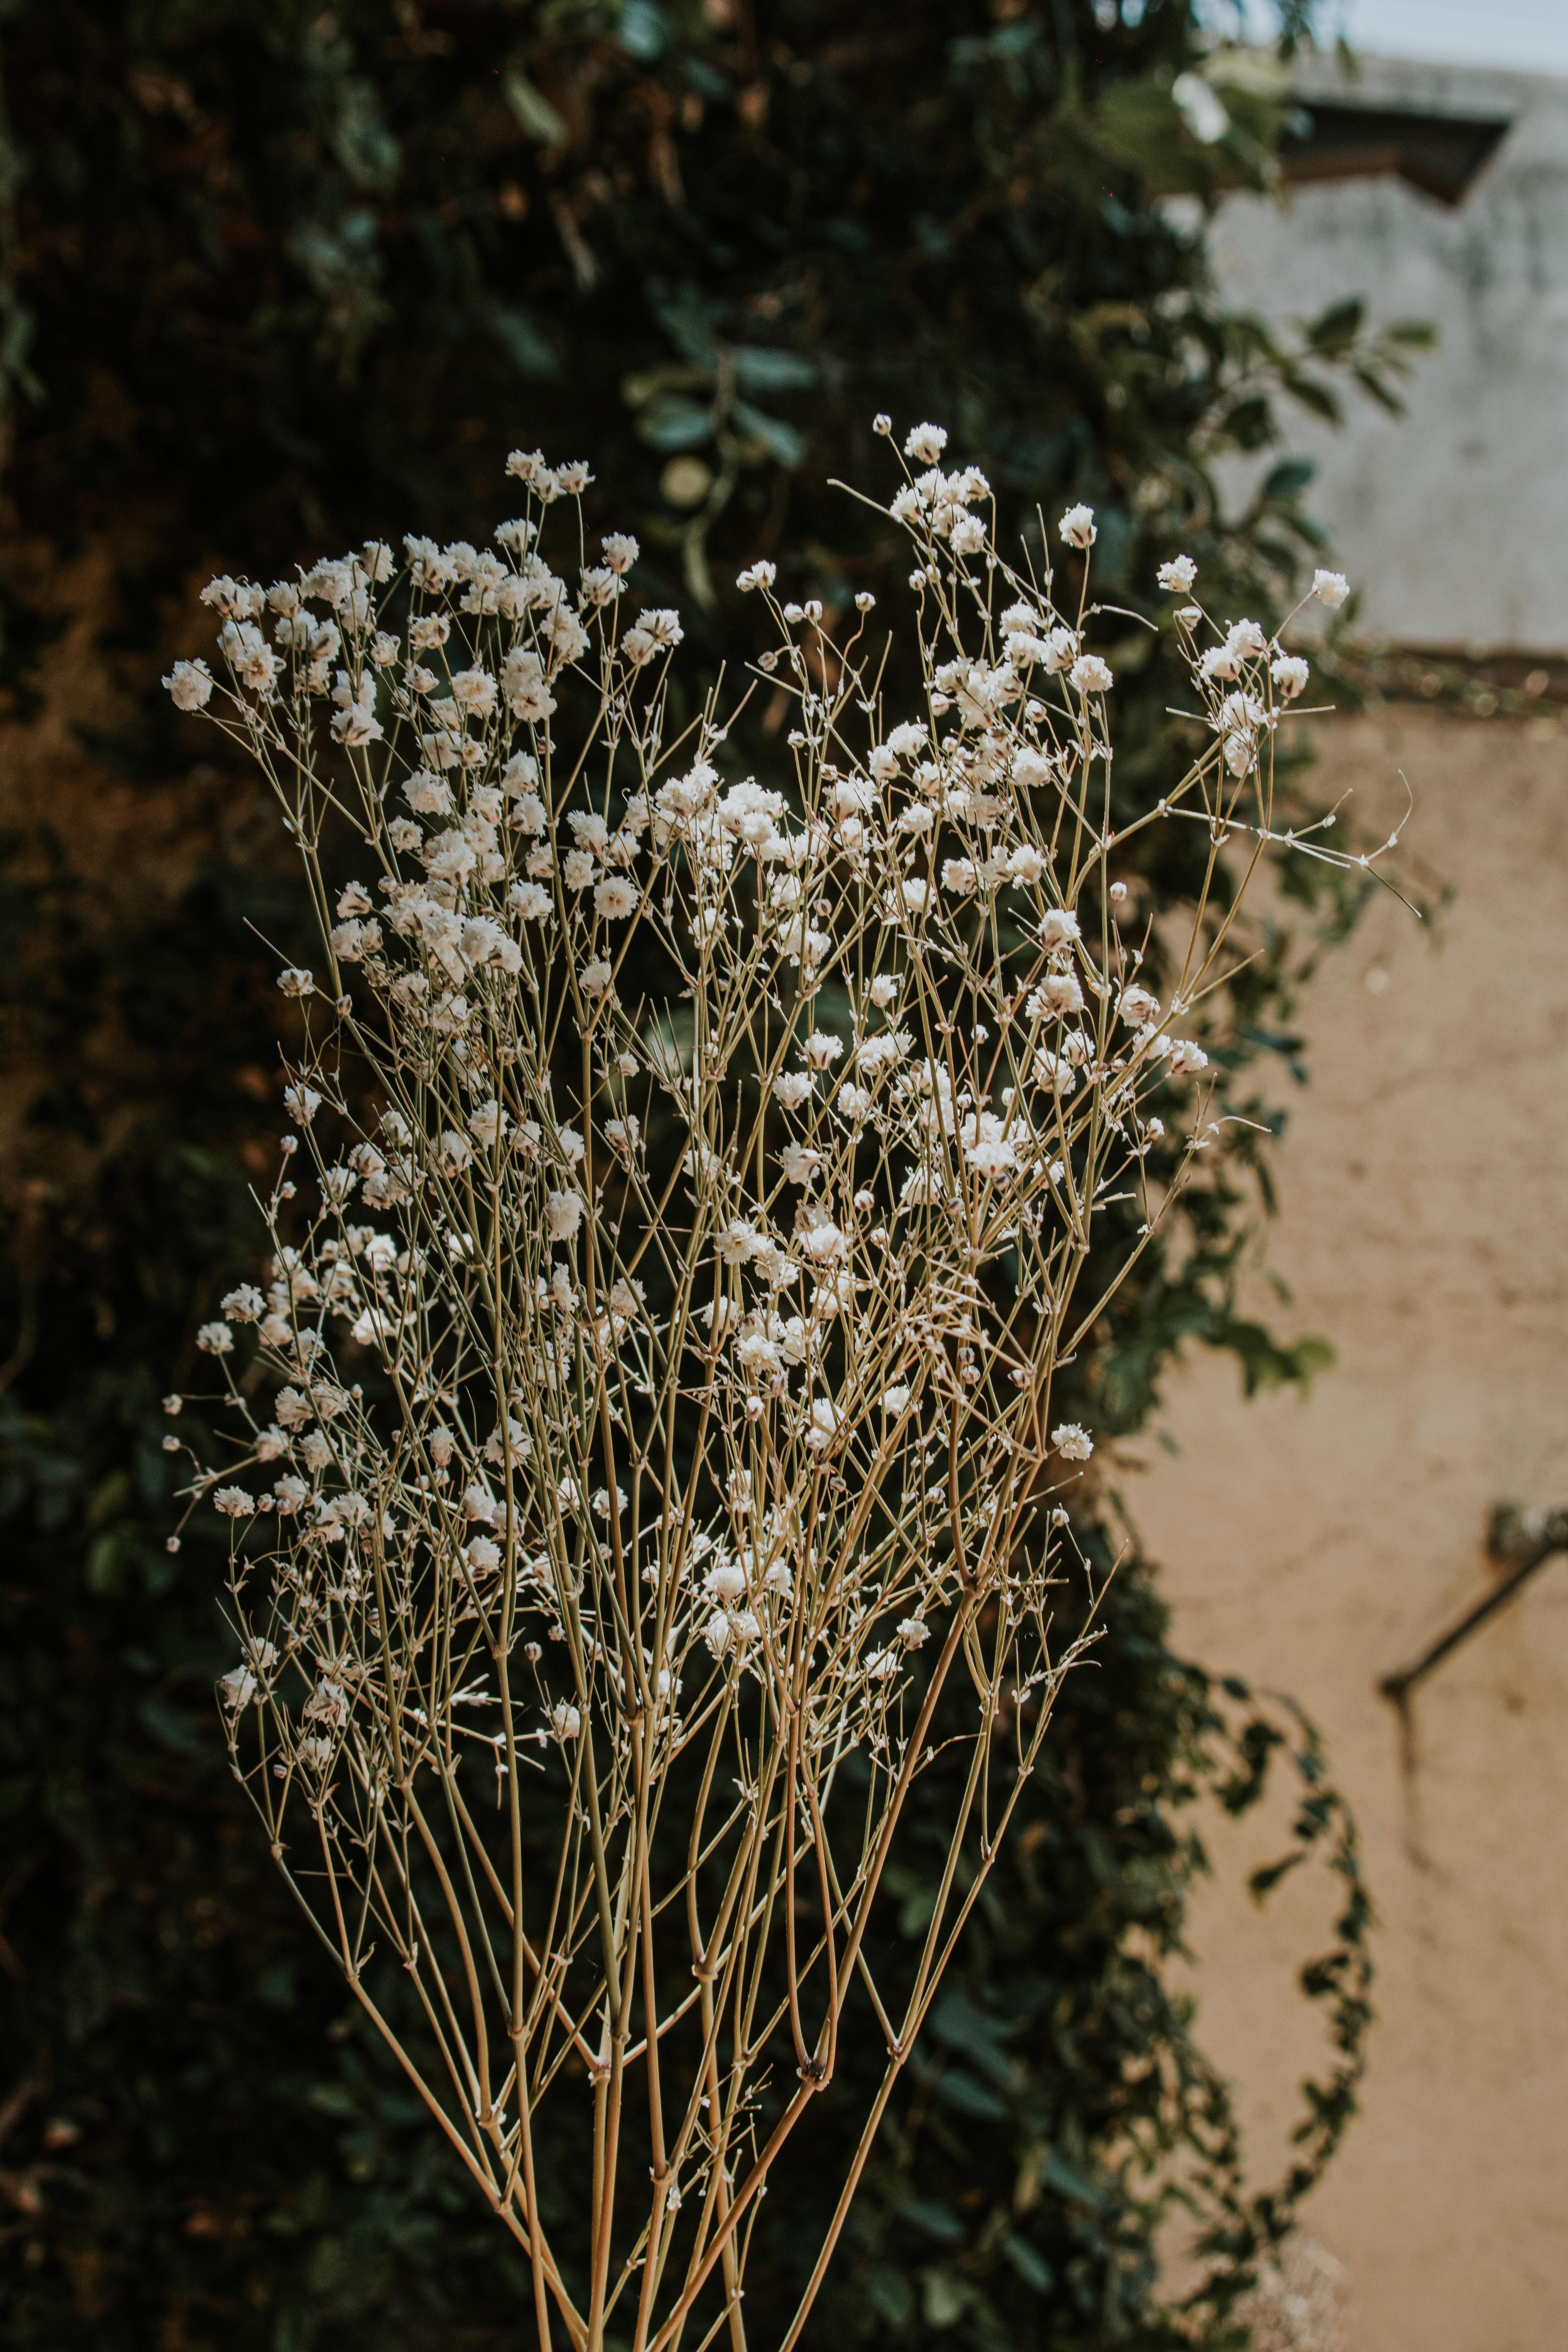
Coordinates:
<point>1454,521</point>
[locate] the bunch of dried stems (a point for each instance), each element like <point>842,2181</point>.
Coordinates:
<point>696,1178</point>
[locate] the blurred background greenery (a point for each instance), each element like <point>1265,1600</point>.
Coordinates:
<point>273,279</point>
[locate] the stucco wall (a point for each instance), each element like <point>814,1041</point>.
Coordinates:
<point>1455,523</point>
<point>1314,1547</point>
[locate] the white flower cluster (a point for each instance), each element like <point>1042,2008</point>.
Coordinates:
<point>662,1369</point>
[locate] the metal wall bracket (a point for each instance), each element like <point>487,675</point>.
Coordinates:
<point>1520,1542</point>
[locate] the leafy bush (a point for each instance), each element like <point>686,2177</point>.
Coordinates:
<point>265,276</point>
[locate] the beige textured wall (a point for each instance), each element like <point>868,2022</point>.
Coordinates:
<point>1424,1230</point>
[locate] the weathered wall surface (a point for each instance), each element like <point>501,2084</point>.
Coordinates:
<point>1314,1547</point>
<point>1455,523</point>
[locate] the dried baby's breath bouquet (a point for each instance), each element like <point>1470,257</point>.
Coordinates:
<point>645,1465</point>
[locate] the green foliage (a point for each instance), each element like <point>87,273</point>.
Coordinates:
<point>271,279</point>
<point>1060,2111</point>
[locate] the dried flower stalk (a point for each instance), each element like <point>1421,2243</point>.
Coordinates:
<point>698,1491</point>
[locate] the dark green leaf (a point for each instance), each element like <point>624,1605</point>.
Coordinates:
<point>786,444</point>
<point>758,368</point>
<point>667,422</point>
<point>532,109</point>
<point>935,2220</point>
<point>1031,2267</point>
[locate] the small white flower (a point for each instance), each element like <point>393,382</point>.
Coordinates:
<point>563,1215</point>
<point>925,443</point>
<point>1031,768</point>
<point>1330,588</point>
<point>488,1122</point>
<point>594,978</point>
<point>1077,527</point>
<point>256,665</point>
<point>473,692</point>
<point>232,1502</point>
<point>482,1555</point>
<point>737,1242</point>
<point>614,899</point>
<point>895,1398</point>
<point>1092,676</point>
<point>1186,1059</point>
<point>657,631</point>
<point>190,684</point>
<point>327,1704</point>
<point>760,574</point>
<point>1058,994</point>
<point>589,830</point>
<point>295,981</point>
<point>1072,1443</point>
<point>835,1294</point>
<point>914,1633</point>
<point>718,1632</point>
<point>991,1155</point>
<point>721,1317</point>
<point>214,1339</point>
<point>1178,575</point>
<point>799,1162</point>
<point>600,586</point>
<point>1137,1005</point>
<point>792,1088</point>
<point>564,1721</point>
<point>1289,674</point>
<point>292,1410</point>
